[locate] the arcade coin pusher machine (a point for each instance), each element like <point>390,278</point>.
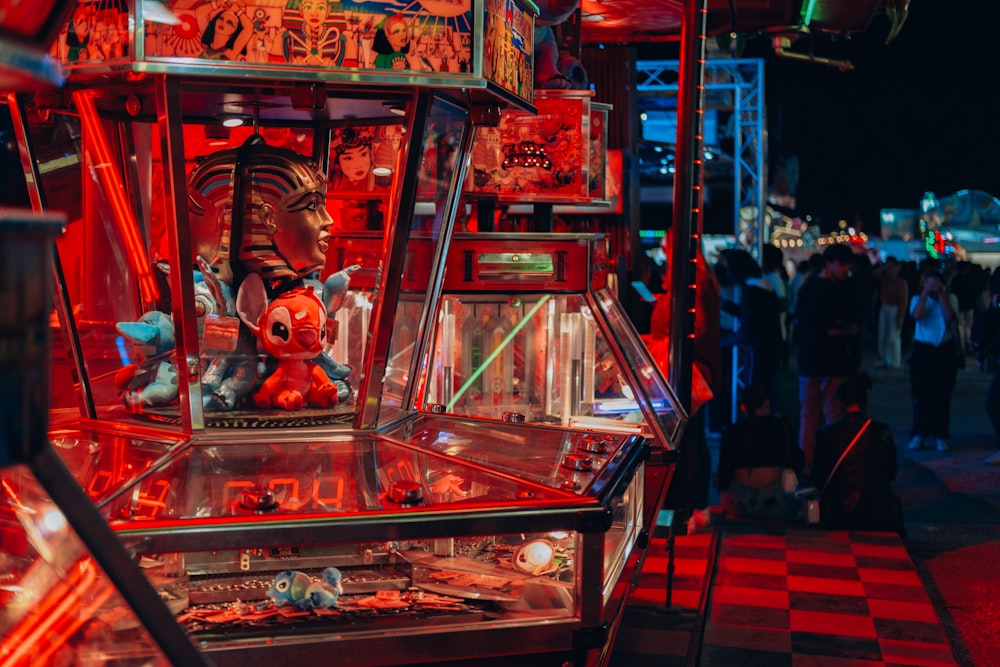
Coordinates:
<point>248,337</point>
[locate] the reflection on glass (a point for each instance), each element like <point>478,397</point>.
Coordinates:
<point>56,604</point>
<point>435,192</point>
<point>541,356</point>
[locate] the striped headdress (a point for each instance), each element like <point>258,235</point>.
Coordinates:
<point>269,175</point>
<point>210,188</point>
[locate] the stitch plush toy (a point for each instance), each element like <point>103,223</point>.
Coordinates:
<point>152,381</point>
<point>298,588</point>
<point>292,329</point>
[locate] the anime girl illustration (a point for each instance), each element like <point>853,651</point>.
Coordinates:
<point>392,44</point>
<point>353,166</point>
<point>96,31</point>
<point>225,30</point>
<point>78,33</point>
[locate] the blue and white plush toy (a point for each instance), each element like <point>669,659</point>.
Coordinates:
<point>227,376</point>
<point>152,380</point>
<point>299,589</point>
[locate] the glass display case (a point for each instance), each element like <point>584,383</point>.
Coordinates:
<point>158,348</point>
<point>527,326</point>
<point>246,293</point>
<point>441,538</point>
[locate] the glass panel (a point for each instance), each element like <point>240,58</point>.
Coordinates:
<point>395,588</point>
<point>529,573</point>
<point>93,242</point>
<point>538,355</point>
<point>659,396</point>
<point>542,356</point>
<point>431,226</point>
<point>104,464</point>
<point>271,230</point>
<point>274,482</point>
<point>626,522</point>
<point>569,460</point>
<point>56,604</point>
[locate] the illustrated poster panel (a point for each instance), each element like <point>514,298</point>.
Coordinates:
<point>97,32</point>
<point>427,36</point>
<point>363,159</point>
<point>542,157</point>
<point>431,36</point>
<point>508,47</point>
<point>598,153</point>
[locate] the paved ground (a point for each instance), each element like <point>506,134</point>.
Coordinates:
<point>952,506</point>
<point>951,502</point>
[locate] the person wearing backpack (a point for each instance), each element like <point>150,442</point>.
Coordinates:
<point>856,465</point>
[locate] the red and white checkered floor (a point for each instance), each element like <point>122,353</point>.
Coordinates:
<point>778,595</point>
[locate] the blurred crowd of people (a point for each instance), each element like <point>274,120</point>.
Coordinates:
<point>928,319</point>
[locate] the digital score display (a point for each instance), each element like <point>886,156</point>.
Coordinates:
<point>314,482</point>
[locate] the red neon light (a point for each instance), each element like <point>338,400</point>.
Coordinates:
<point>124,217</point>
<point>57,617</point>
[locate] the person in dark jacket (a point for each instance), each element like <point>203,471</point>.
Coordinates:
<point>857,494</point>
<point>753,452</point>
<point>758,314</point>
<point>828,316</point>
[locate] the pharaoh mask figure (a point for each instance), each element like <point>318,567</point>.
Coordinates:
<point>283,223</point>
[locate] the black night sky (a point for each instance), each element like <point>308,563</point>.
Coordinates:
<point>921,114</point>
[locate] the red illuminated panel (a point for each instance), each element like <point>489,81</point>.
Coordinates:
<point>59,614</point>
<point>541,157</point>
<point>545,264</point>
